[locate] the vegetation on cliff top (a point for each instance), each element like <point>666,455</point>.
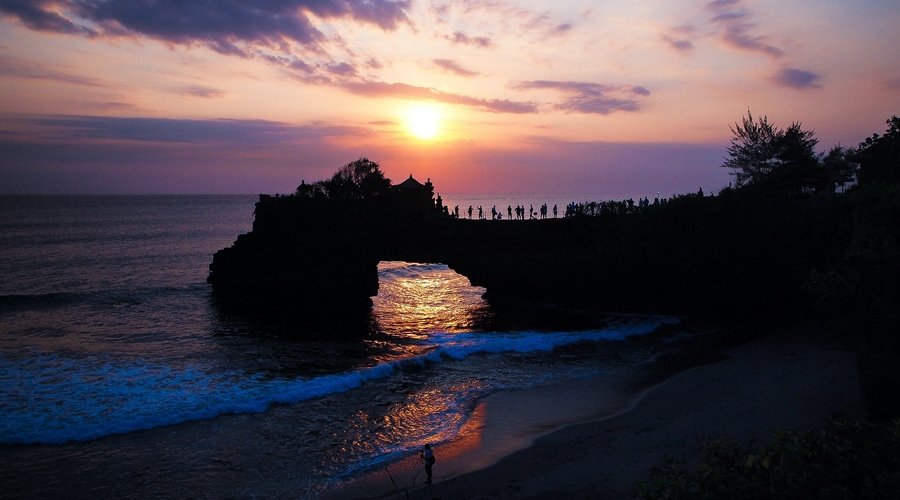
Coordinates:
<point>358,179</point>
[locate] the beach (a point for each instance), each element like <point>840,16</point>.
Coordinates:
<point>786,380</point>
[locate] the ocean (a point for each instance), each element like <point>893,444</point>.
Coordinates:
<point>122,376</point>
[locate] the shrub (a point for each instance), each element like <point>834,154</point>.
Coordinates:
<point>843,460</point>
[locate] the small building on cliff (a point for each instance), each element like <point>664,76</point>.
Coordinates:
<point>411,185</point>
<point>415,192</point>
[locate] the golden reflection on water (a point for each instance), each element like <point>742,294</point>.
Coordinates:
<point>431,415</point>
<point>417,299</point>
<point>414,301</point>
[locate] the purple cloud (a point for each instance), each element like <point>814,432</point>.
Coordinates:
<point>405,91</point>
<point>732,17</point>
<point>91,154</point>
<point>18,68</point>
<point>341,69</point>
<point>459,37</point>
<point>562,29</point>
<point>718,4</point>
<point>594,98</point>
<point>39,16</point>
<point>227,26</point>
<point>511,17</point>
<point>679,44</point>
<point>200,91</point>
<point>174,131</point>
<point>797,79</point>
<point>301,66</point>
<point>737,36</point>
<point>452,66</point>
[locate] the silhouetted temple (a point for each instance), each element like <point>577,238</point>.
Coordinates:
<point>412,185</point>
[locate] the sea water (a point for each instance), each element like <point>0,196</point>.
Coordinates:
<point>120,374</point>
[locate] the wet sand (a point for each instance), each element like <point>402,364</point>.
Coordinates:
<point>596,438</point>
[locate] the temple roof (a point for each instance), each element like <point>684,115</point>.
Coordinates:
<point>409,184</point>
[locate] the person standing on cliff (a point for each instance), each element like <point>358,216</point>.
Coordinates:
<point>428,460</point>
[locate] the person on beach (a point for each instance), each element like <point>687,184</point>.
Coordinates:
<point>427,456</point>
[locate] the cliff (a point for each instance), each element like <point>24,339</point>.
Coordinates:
<point>713,255</point>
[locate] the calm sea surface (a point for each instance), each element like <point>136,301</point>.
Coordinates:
<point>121,376</point>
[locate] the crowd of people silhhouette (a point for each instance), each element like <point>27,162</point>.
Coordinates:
<point>497,214</point>
<point>545,211</point>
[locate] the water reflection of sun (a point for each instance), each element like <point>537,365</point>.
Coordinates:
<point>415,300</point>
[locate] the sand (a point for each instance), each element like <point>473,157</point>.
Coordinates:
<point>599,437</point>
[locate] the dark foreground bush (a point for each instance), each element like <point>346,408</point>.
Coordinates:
<point>844,460</point>
<point>879,376</point>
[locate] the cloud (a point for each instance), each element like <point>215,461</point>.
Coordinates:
<point>459,37</point>
<point>302,66</point>
<point>373,63</point>
<point>229,26</point>
<point>509,17</point>
<point>561,29</point>
<point>719,4</point>
<point>451,66</point>
<point>543,25</point>
<point>733,18</point>
<point>199,91</point>
<point>93,154</point>
<point>17,68</point>
<point>40,16</point>
<point>679,44</point>
<point>797,79</point>
<point>341,69</point>
<point>175,131</point>
<point>405,91</point>
<point>593,98</point>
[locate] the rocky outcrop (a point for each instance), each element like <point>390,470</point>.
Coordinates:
<point>324,253</point>
<point>320,253</point>
<point>689,256</point>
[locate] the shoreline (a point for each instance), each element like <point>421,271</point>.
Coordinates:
<point>507,422</point>
<point>791,379</point>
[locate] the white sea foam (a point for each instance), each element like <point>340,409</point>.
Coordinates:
<point>49,398</point>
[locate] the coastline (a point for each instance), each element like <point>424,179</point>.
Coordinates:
<point>790,379</point>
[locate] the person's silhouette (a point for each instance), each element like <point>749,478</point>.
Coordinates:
<point>428,460</point>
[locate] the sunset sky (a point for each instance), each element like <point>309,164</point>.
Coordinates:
<point>592,97</point>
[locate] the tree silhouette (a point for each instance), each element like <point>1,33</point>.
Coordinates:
<point>775,160</point>
<point>753,150</point>
<point>879,156</point>
<point>358,179</point>
<point>837,169</point>
<point>362,178</point>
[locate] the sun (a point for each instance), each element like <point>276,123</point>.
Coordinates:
<point>423,120</point>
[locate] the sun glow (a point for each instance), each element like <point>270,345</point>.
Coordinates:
<point>423,120</point>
